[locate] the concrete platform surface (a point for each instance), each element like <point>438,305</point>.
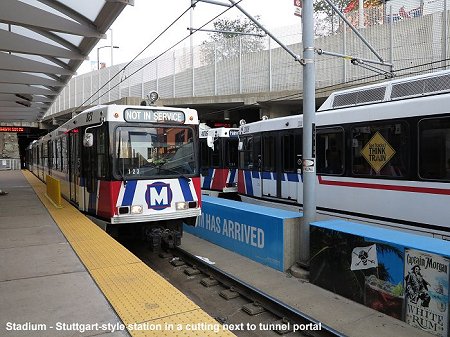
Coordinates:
<point>43,284</point>
<point>350,318</point>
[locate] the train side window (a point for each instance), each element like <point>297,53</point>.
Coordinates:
<point>381,149</point>
<point>101,146</point>
<point>268,156</point>
<point>64,153</point>
<point>434,149</point>
<point>246,153</point>
<point>291,147</point>
<point>330,151</point>
<point>58,154</point>
<point>50,154</point>
<point>215,154</point>
<point>204,154</point>
<point>231,155</point>
<point>288,152</point>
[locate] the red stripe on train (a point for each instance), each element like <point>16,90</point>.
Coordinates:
<point>428,190</point>
<point>241,184</point>
<point>107,198</point>
<point>220,179</point>
<point>198,189</point>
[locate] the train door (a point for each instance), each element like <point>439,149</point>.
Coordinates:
<point>49,157</point>
<point>74,166</point>
<point>270,165</point>
<point>249,179</point>
<point>94,167</point>
<point>290,178</point>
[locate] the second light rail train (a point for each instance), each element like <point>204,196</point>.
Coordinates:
<point>218,161</point>
<point>382,154</point>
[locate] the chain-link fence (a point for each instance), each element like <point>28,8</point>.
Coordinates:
<point>412,35</point>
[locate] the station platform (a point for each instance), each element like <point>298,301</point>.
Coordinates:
<point>61,275</point>
<point>349,318</point>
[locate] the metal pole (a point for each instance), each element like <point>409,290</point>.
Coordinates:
<point>309,122</point>
<point>345,52</point>
<point>174,74</point>
<point>270,66</point>
<point>215,68</point>
<point>391,35</point>
<point>361,14</point>
<point>98,58</point>
<point>192,45</point>
<point>281,44</point>
<point>445,37</point>
<point>240,64</point>
<point>157,76</point>
<point>329,2</point>
<point>112,48</point>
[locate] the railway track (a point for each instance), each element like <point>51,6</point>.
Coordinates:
<point>238,306</point>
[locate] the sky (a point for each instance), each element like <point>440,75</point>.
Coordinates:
<point>138,25</point>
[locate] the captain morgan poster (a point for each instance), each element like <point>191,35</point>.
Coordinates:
<point>426,291</point>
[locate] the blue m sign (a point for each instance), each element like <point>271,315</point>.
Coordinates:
<point>158,196</point>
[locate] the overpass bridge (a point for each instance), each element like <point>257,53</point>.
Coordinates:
<point>267,82</point>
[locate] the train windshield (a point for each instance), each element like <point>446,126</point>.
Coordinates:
<point>143,153</point>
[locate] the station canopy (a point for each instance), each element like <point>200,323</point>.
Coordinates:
<point>42,44</point>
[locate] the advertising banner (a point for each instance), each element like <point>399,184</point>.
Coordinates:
<point>249,230</point>
<point>426,291</point>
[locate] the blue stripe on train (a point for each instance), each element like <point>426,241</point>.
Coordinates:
<point>186,189</point>
<point>292,177</point>
<point>208,178</point>
<point>232,175</point>
<point>128,196</point>
<point>248,182</point>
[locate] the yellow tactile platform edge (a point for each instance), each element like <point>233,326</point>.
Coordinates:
<point>147,304</point>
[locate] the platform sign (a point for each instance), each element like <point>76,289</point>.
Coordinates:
<point>17,129</point>
<point>426,291</point>
<point>245,230</point>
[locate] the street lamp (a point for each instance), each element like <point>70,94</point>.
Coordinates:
<point>98,54</point>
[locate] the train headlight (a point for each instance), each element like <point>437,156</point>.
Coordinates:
<point>181,205</point>
<point>136,209</point>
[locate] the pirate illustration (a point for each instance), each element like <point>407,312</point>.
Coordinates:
<point>363,257</point>
<point>417,287</point>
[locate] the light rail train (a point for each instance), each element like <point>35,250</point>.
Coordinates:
<point>133,166</point>
<point>218,161</point>
<point>382,154</point>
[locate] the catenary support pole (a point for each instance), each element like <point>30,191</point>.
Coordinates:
<point>309,125</point>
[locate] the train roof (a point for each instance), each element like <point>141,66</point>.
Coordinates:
<point>118,113</point>
<point>416,96</point>
<point>288,122</point>
<point>393,90</point>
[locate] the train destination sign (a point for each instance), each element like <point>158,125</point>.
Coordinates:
<point>153,116</point>
<point>234,133</point>
<point>12,129</point>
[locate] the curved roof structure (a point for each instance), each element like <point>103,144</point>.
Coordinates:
<point>42,44</point>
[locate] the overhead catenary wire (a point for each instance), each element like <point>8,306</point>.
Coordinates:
<point>134,58</point>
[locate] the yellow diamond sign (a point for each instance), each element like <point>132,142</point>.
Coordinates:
<point>377,152</point>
